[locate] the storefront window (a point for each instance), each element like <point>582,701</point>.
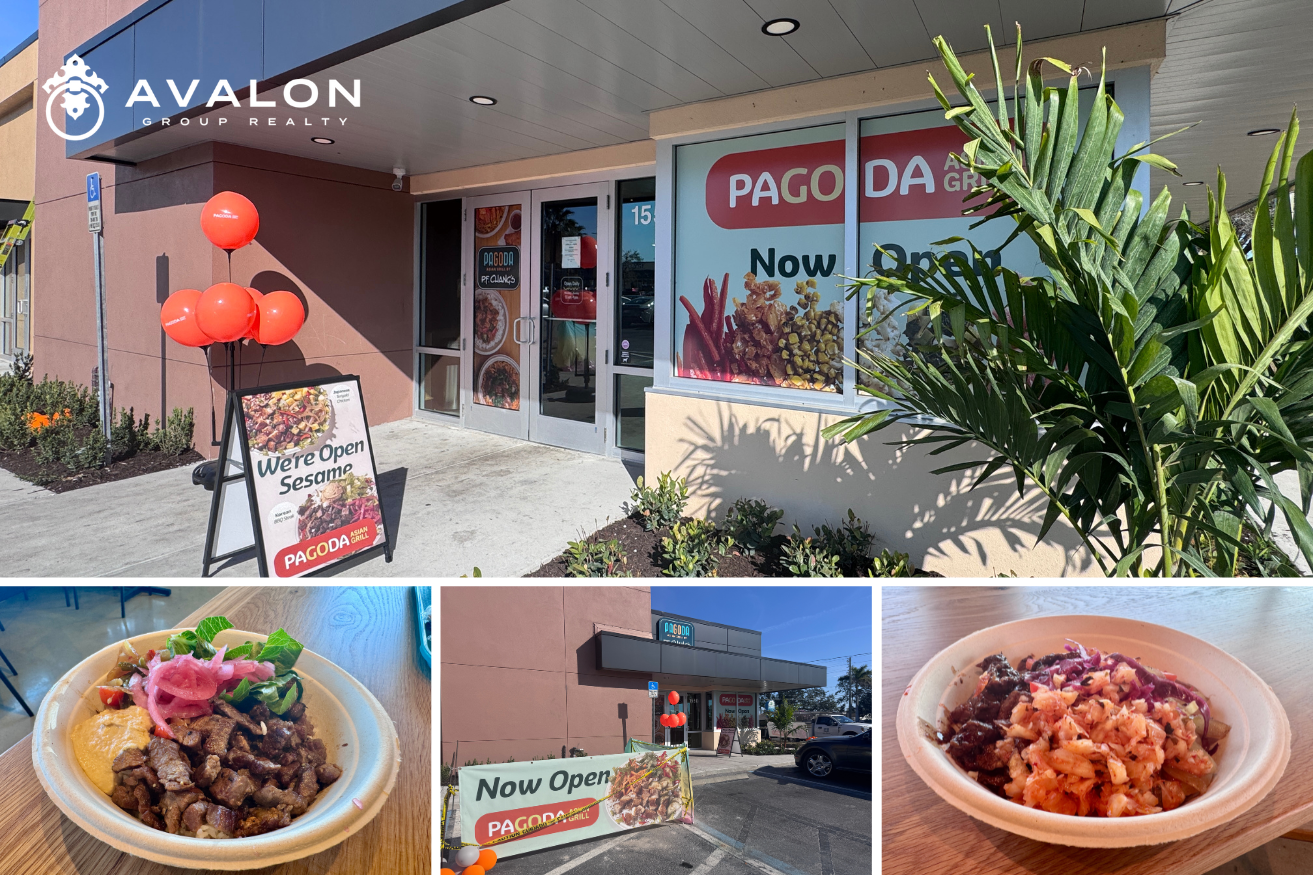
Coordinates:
<point>439,299</point>
<point>912,192</point>
<point>569,309</point>
<point>759,250</point>
<point>635,271</point>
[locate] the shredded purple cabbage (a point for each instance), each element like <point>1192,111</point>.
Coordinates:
<point>1150,687</point>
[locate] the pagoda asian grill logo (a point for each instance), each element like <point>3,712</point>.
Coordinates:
<point>905,175</point>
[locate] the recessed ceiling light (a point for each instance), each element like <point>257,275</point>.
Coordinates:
<point>482,100</point>
<point>323,141</point>
<point>1192,183</point>
<point>780,26</point>
<point>1263,132</point>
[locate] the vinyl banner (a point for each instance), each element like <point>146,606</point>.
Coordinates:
<point>497,231</point>
<point>504,806</point>
<point>312,465</point>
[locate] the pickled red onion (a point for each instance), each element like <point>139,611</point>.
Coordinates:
<point>183,685</point>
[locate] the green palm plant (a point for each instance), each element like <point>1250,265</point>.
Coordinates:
<point>1155,382</point>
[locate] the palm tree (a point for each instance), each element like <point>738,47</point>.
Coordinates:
<point>1153,384</point>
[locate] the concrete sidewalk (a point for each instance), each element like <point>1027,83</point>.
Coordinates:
<point>454,498</point>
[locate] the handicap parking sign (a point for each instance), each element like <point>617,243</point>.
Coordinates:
<point>651,689</point>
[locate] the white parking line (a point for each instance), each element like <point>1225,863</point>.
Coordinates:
<point>583,858</point>
<point>755,859</point>
<point>709,863</point>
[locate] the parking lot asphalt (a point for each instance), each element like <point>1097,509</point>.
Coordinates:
<point>746,824</point>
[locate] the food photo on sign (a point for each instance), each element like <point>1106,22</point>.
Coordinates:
<point>760,241</point>
<point>312,466</point>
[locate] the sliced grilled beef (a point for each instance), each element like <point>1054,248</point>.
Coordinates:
<point>172,768</point>
<point>289,767</point>
<point>327,773</point>
<point>280,734</point>
<point>221,730</point>
<point>231,788</point>
<point>129,758</point>
<point>260,712</point>
<point>194,817</point>
<point>314,752</point>
<point>238,717</point>
<point>174,804</point>
<point>208,771</point>
<point>240,759</point>
<point>124,798</point>
<point>273,796</point>
<point>307,785</point>
<point>294,713</point>
<point>262,820</point>
<point>140,775</point>
<point>152,820</point>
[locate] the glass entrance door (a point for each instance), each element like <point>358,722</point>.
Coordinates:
<point>571,359</point>
<point>499,324</point>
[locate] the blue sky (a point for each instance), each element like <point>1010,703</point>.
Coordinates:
<point>17,22</point>
<point>813,624</point>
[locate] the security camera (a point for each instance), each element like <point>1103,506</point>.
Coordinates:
<point>399,182</point>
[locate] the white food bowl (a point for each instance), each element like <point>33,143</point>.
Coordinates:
<point>1250,761</point>
<point>343,713</point>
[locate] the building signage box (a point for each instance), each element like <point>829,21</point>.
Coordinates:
<point>675,632</point>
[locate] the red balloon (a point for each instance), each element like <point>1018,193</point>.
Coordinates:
<point>229,220</point>
<point>683,718</point>
<point>178,318</point>
<point>664,719</point>
<point>281,316</point>
<point>673,698</point>
<point>256,295</point>
<point>588,252</point>
<point>225,312</point>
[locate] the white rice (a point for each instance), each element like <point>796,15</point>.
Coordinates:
<point>209,832</point>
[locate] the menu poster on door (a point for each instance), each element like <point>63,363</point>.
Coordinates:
<point>310,460</point>
<point>759,236</point>
<point>497,305</point>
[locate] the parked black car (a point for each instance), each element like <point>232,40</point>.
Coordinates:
<point>820,757</point>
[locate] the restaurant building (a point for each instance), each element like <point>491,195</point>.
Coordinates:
<point>18,69</point>
<point>586,225</point>
<point>532,672</point>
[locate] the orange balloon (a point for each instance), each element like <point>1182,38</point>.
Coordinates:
<point>229,220</point>
<point>256,295</point>
<point>178,318</point>
<point>281,316</point>
<point>476,869</point>
<point>446,872</point>
<point>487,858</point>
<point>225,312</point>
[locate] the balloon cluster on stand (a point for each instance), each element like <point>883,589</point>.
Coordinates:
<point>472,861</point>
<point>227,312</point>
<point>672,721</point>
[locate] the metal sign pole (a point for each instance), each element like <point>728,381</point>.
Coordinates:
<point>95,226</point>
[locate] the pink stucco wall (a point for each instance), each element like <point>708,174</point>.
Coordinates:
<point>336,236</point>
<point>519,672</point>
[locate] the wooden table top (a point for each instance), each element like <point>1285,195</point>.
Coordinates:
<point>369,632</point>
<point>1266,628</point>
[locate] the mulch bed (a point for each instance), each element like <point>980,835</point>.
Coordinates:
<point>643,555</point>
<point>643,551</point>
<point>57,478</point>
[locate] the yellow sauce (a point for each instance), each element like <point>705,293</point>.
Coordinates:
<point>98,740</point>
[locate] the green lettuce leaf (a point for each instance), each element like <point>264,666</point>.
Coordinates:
<point>282,650</point>
<point>242,651</point>
<point>211,626</point>
<point>241,692</point>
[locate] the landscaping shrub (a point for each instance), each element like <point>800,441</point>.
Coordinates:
<point>660,507</point>
<point>174,435</point>
<point>809,557</point>
<point>891,564</point>
<point>694,548</point>
<point>589,558</point>
<point>751,523</point>
<point>850,542</point>
<point>65,443</point>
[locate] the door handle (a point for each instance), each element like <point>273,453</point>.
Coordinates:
<point>516,331</point>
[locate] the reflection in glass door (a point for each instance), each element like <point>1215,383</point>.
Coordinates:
<point>570,379</point>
